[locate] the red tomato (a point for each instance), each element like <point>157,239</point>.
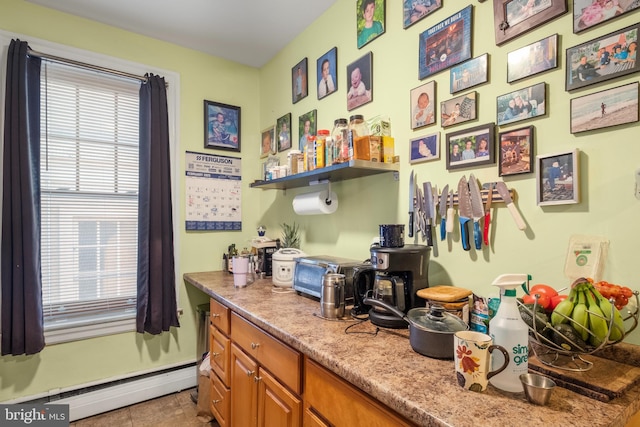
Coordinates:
<point>543,300</point>
<point>557,300</point>
<point>543,289</point>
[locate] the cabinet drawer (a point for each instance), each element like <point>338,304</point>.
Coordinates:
<point>220,403</point>
<point>342,404</point>
<point>220,354</point>
<point>219,316</point>
<point>281,360</point>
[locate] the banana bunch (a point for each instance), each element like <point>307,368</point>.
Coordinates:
<point>589,314</point>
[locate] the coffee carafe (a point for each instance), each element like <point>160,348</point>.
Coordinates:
<point>398,274</point>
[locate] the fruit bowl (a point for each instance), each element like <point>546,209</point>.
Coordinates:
<point>560,348</point>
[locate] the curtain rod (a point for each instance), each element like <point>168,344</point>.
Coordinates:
<point>85,65</point>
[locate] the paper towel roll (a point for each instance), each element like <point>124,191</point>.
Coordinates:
<point>315,203</point>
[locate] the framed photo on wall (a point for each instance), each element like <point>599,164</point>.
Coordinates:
<point>283,130</point>
<point>532,59</point>
<point>415,10</point>
<point>445,44</point>
<point>590,13</point>
<point>360,81</point>
<point>521,104</point>
<point>516,151</point>
<point>268,145</point>
<point>299,87</point>
<point>327,72</point>
<point>458,110</point>
<point>424,148</point>
<point>606,108</point>
<point>371,20</point>
<point>512,18</point>
<point>221,126</point>
<point>557,178</point>
<point>423,101</point>
<point>306,127</point>
<point>603,58</point>
<point>471,147</point>
<point>469,74</point>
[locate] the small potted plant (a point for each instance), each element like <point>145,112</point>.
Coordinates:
<point>290,236</point>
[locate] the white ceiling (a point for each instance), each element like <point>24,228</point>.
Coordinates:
<point>250,32</point>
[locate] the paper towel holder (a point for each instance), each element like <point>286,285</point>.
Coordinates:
<point>324,181</point>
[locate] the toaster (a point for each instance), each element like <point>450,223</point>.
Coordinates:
<point>309,272</point>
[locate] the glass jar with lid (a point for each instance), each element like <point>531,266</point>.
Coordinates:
<point>357,129</point>
<point>340,138</point>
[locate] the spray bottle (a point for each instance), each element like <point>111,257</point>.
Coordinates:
<point>509,330</point>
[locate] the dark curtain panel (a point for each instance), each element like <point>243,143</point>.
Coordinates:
<point>22,321</point>
<point>156,305</point>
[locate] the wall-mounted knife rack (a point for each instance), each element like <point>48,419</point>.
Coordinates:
<point>496,197</point>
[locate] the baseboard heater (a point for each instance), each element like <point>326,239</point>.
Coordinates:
<point>95,399</point>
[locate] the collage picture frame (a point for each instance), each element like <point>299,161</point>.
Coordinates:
<point>603,58</point>
<point>221,126</point>
<point>516,151</point>
<point>424,148</point>
<point>471,147</point>
<point>557,178</point>
<point>423,105</point>
<point>471,73</point>
<point>607,108</point>
<point>591,13</point>
<point>521,104</point>
<point>532,59</point>
<point>513,18</point>
<point>445,44</point>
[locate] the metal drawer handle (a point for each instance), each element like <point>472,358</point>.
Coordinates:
<point>254,345</point>
<point>257,379</point>
<point>214,354</point>
<point>250,373</point>
<point>215,315</point>
<point>215,402</point>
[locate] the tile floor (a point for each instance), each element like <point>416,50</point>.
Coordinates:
<point>173,410</point>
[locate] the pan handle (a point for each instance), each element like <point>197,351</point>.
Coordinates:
<point>393,309</point>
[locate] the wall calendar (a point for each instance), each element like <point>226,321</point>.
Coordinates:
<point>213,192</point>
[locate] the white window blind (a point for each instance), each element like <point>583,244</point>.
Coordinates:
<point>89,183</point>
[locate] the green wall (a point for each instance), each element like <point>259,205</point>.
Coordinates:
<point>608,207</point>
<point>608,157</point>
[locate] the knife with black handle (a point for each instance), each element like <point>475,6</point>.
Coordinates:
<point>428,210</point>
<point>412,195</point>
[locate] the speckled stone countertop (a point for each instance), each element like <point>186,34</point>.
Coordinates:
<point>422,389</point>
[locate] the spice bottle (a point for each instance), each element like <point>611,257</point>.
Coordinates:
<point>340,138</point>
<point>320,143</point>
<point>310,154</point>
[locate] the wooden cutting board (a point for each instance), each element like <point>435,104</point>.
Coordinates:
<point>444,293</point>
<point>606,380</point>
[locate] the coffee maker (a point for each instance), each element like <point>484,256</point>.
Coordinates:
<point>394,276</point>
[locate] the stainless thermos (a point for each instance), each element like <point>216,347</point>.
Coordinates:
<point>332,296</point>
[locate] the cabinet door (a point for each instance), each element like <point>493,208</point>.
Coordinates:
<point>310,419</point>
<point>277,407</point>
<point>219,354</point>
<point>244,389</point>
<point>220,402</point>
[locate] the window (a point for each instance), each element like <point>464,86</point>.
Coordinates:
<point>89,183</point>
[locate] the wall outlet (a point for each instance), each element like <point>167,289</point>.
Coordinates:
<point>637,192</point>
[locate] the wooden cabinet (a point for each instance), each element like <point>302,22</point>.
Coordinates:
<point>266,378</point>
<point>219,355</point>
<point>330,400</point>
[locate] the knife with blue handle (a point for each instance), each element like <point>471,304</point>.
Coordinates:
<point>465,212</point>
<point>443,212</point>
